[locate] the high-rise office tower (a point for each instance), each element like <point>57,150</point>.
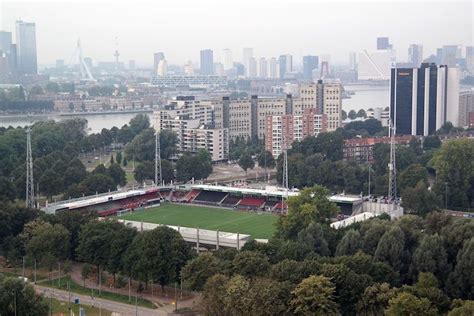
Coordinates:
<point>26,47</point>
<point>5,41</point>
<point>157,57</point>
<point>415,54</point>
<point>273,68</point>
<point>247,53</point>
<point>310,63</point>
<point>470,59</point>
<point>383,43</point>
<point>189,68</point>
<point>262,68</point>
<point>286,65</point>
<point>451,54</point>
<point>423,99</point>
<point>252,68</point>
<point>227,60</point>
<point>352,61</point>
<point>207,62</point>
<point>219,69</point>
<point>131,64</point>
<point>162,68</point>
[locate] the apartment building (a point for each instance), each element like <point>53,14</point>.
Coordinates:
<point>282,130</point>
<point>361,149</point>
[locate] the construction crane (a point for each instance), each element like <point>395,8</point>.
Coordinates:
<point>84,68</point>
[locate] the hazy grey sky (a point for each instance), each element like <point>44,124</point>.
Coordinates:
<point>181,28</point>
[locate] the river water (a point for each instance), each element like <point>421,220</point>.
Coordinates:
<point>365,97</point>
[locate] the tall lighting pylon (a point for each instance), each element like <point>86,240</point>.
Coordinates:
<point>158,177</point>
<point>30,188</point>
<point>285,171</point>
<point>392,167</point>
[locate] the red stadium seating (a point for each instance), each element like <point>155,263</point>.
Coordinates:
<point>251,202</point>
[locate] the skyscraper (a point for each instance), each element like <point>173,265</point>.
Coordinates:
<point>247,53</point>
<point>26,47</point>
<point>207,62</point>
<point>451,53</point>
<point>227,60</point>
<point>273,68</point>
<point>262,68</point>
<point>310,63</point>
<point>423,99</point>
<point>470,59</point>
<point>252,68</point>
<point>286,65</point>
<point>415,54</point>
<point>383,43</point>
<point>162,68</point>
<point>157,57</point>
<point>5,41</point>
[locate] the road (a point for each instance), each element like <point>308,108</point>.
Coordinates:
<point>123,309</point>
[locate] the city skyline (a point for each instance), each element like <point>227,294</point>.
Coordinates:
<point>444,24</point>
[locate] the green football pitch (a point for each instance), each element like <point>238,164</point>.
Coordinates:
<point>233,221</point>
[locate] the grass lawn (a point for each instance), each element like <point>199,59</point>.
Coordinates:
<point>79,289</point>
<point>254,224</point>
<point>130,177</point>
<point>62,308</point>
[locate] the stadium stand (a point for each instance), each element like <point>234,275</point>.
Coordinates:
<point>231,201</point>
<point>279,206</point>
<point>251,203</point>
<point>209,197</point>
<point>191,195</point>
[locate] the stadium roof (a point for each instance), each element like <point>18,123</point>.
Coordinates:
<point>268,191</point>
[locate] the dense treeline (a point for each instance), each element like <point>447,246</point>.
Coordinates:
<point>402,267</point>
<point>56,147</point>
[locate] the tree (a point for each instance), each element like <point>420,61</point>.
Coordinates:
<point>344,115</point>
<point>7,190</point>
<point>197,271</point>
<point>94,243</point>
<point>268,297</point>
<point>314,296</point>
<point>75,173</point>
<point>454,169</point>
<point>52,87</point>
<point>391,247</point>
<point>142,147</point>
<point>349,244</point>
<point>462,308</point>
<point>19,298</point>
<point>139,123</point>
<point>431,256</point>
<point>361,113</point>
<point>168,143</point>
<point>112,160</point>
<point>117,174</point>
<point>246,162</point>
<point>420,200</point>
<point>212,295</point>
<point>408,304</point>
<point>250,264</point>
<point>352,115</point>
<point>313,235</point>
<point>157,254</point>
<point>410,177</point>
<point>50,183</point>
<point>97,183</point>
<point>118,157</point>
<point>266,160</point>
<point>461,283</point>
<point>375,299</point>
<point>124,162</point>
<point>45,242</point>
<point>431,142</point>
<point>310,206</point>
<point>237,298</point>
<point>197,166</point>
